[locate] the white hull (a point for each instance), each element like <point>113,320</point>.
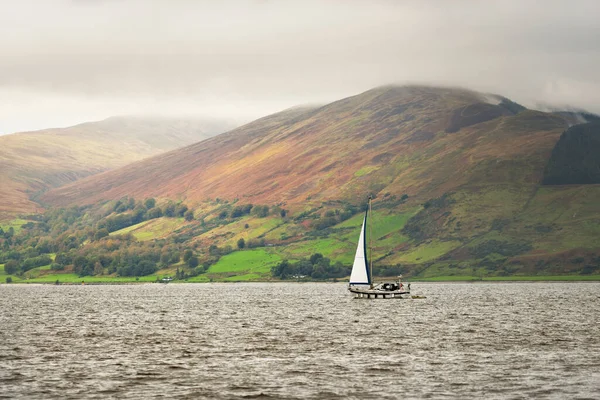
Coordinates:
<point>368,293</point>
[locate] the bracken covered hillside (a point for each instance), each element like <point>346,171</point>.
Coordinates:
<point>456,177</point>
<point>418,140</point>
<point>32,162</point>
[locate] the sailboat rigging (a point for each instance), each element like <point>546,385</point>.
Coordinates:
<point>361,278</point>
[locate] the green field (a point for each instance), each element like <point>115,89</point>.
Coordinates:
<point>424,252</point>
<point>366,170</point>
<point>244,278</point>
<point>152,229</point>
<point>14,223</point>
<point>3,276</point>
<point>244,265</point>
<point>332,248</point>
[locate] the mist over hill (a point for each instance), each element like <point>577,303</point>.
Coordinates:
<point>32,162</point>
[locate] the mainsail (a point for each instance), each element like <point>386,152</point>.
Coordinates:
<point>360,271</point>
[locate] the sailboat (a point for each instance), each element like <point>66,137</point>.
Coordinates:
<point>361,278</point>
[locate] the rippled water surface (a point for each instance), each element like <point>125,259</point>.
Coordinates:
<point>503,340</point>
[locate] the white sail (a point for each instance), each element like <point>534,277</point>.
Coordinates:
<point>360,270</point>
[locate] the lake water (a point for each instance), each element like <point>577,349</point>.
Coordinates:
<point>313,341</point>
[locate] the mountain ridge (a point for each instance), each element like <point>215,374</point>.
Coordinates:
<point>456,176</point>
<point>32,162</point>
<point>298,130</point>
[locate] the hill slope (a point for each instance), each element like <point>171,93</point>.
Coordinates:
<point>470,165</point>
<point>376,141</point>
<point>576,157</point>
<point>31,162</point>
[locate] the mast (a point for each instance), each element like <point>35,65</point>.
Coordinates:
<point>371,244</point>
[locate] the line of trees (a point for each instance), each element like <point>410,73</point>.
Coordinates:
<point>316,267</point>
<point>259,211</point>
<point>129,212</point>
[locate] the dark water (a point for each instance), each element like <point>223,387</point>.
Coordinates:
<point>517,340</point>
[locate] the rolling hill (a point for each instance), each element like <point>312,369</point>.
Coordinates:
<point>457,178</point>
<point>32,162</point>
<point>417,140</point>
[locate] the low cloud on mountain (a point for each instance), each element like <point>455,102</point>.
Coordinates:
<point>69,61</point>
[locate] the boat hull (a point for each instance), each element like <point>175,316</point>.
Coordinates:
<point>368,293</point>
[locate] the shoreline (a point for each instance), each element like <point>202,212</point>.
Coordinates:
<point>443,279</point>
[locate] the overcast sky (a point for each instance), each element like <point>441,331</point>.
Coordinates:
<point>65,62</point>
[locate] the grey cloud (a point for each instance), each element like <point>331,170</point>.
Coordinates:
<point>248,58</point>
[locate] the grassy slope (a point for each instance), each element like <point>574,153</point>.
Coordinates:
<point>14,223</point>
<point>244,265</point>
<point>153,229</point>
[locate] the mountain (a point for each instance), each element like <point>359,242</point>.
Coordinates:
<point>457,178</point>
<point>32,162</point>
<point>367,143</point>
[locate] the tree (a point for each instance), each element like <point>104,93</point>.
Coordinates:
<point>187,255</point>
<point>117,205</point>
<point>11,267</point>
<point>174,258</point>
<point>283,213</point>
<point>324,223</point>
<point>213,250</point>
<point>314,259</point>
<point>189,215</point>
<point>181,209</point>
<point>63,259</point>
<point>139,214</point>
<point>145,267</point>
<point>121,207</point>
<point>8,279</point>
<point>56,267</point>
<point>150,203</point>
<point>241,243</point>
<point>260,211</point>
<point>241,210</point>
<point>100,233</point>
<point>192,262</point>
<point>237,212</point>
<point>116,222</point>
<point>43,246</point>
<point>155,212</point>
<point>80,263</point>
<point>252,243</point>
<point>98,270</point>
<point>281,269</point>
<point>34,262</point>
<point>169,210</point>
